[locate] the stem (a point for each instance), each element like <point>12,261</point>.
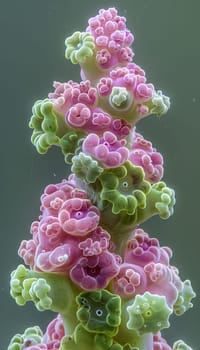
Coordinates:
<point>125,335</point>
<point>92,71</point>
<point>69,320</point>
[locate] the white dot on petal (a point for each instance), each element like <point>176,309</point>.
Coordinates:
<point>63,258</point>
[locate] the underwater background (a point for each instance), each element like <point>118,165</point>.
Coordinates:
<point>167,46</point>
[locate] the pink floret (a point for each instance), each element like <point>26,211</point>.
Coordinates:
<point>41,346</point>
<point>105,86</point>
<point>107,149</point>
<point>144,155</point>
<point>160,281</point>
<point>120,128</point>
<point>159,343</point>
<point>27,251</point>
<point>143,92</point>
<point>67,94</point>
<point>100,119</point>
<point>95,120</point>
<point>132,77</point>
<point>98,242</point>
<point>55,195</point>
<point>142,249</point>
<point>112,38</point>
<point>54,333</point>
<point>52,337</point>
<point>78,217</point>
<point>66,217</point>
<point>95,272</point>
<point>57,258</point>
<point>56,251</point>
<point>161,277</point>
<point>78,115</point>
<point>131,280</point>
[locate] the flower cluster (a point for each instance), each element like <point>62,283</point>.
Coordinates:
<point>126,91</point>
<point>111,284</point>
<point>146,267</point>
<point>143,154</point>
<point>111,37</point>
<point>68,239</point>
<point>112,96</point>
<point>77,103</point>
<point>160,343</point>
<point>107,149</point>
<point>33,338</point>
<point>54,333</point>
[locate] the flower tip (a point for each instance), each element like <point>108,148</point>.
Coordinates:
<point>79,47</point>
<point>161,103</point>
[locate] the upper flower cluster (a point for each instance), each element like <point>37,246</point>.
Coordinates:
<point>111,37</point>
<point>111,98</point>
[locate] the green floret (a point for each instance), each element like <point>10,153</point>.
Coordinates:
<point>183,302</point>
<point>42,288</point>
<point>70,144</point>
<point>81,339</point>
<point>148,313</point>
<point>79,47</point>
<point>159,103</point>
<point>181,345</point>
<point>163,198</point>
<point>120,97</point>
<point>86,168</point>
<point>125,188</point>
<point>32,336</point>
<point>25,288</point>
<point>99,311</point>
<point>45,125</point>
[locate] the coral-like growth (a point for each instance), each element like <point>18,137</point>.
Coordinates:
<point>111,284</point>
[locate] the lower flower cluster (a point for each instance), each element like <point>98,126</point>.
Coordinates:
<point>34,339</point>
<point>71,251</point>
<point>69,239</point>
<point>85,336</point>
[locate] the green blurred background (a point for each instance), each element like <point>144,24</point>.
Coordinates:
<point>167,46</point>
